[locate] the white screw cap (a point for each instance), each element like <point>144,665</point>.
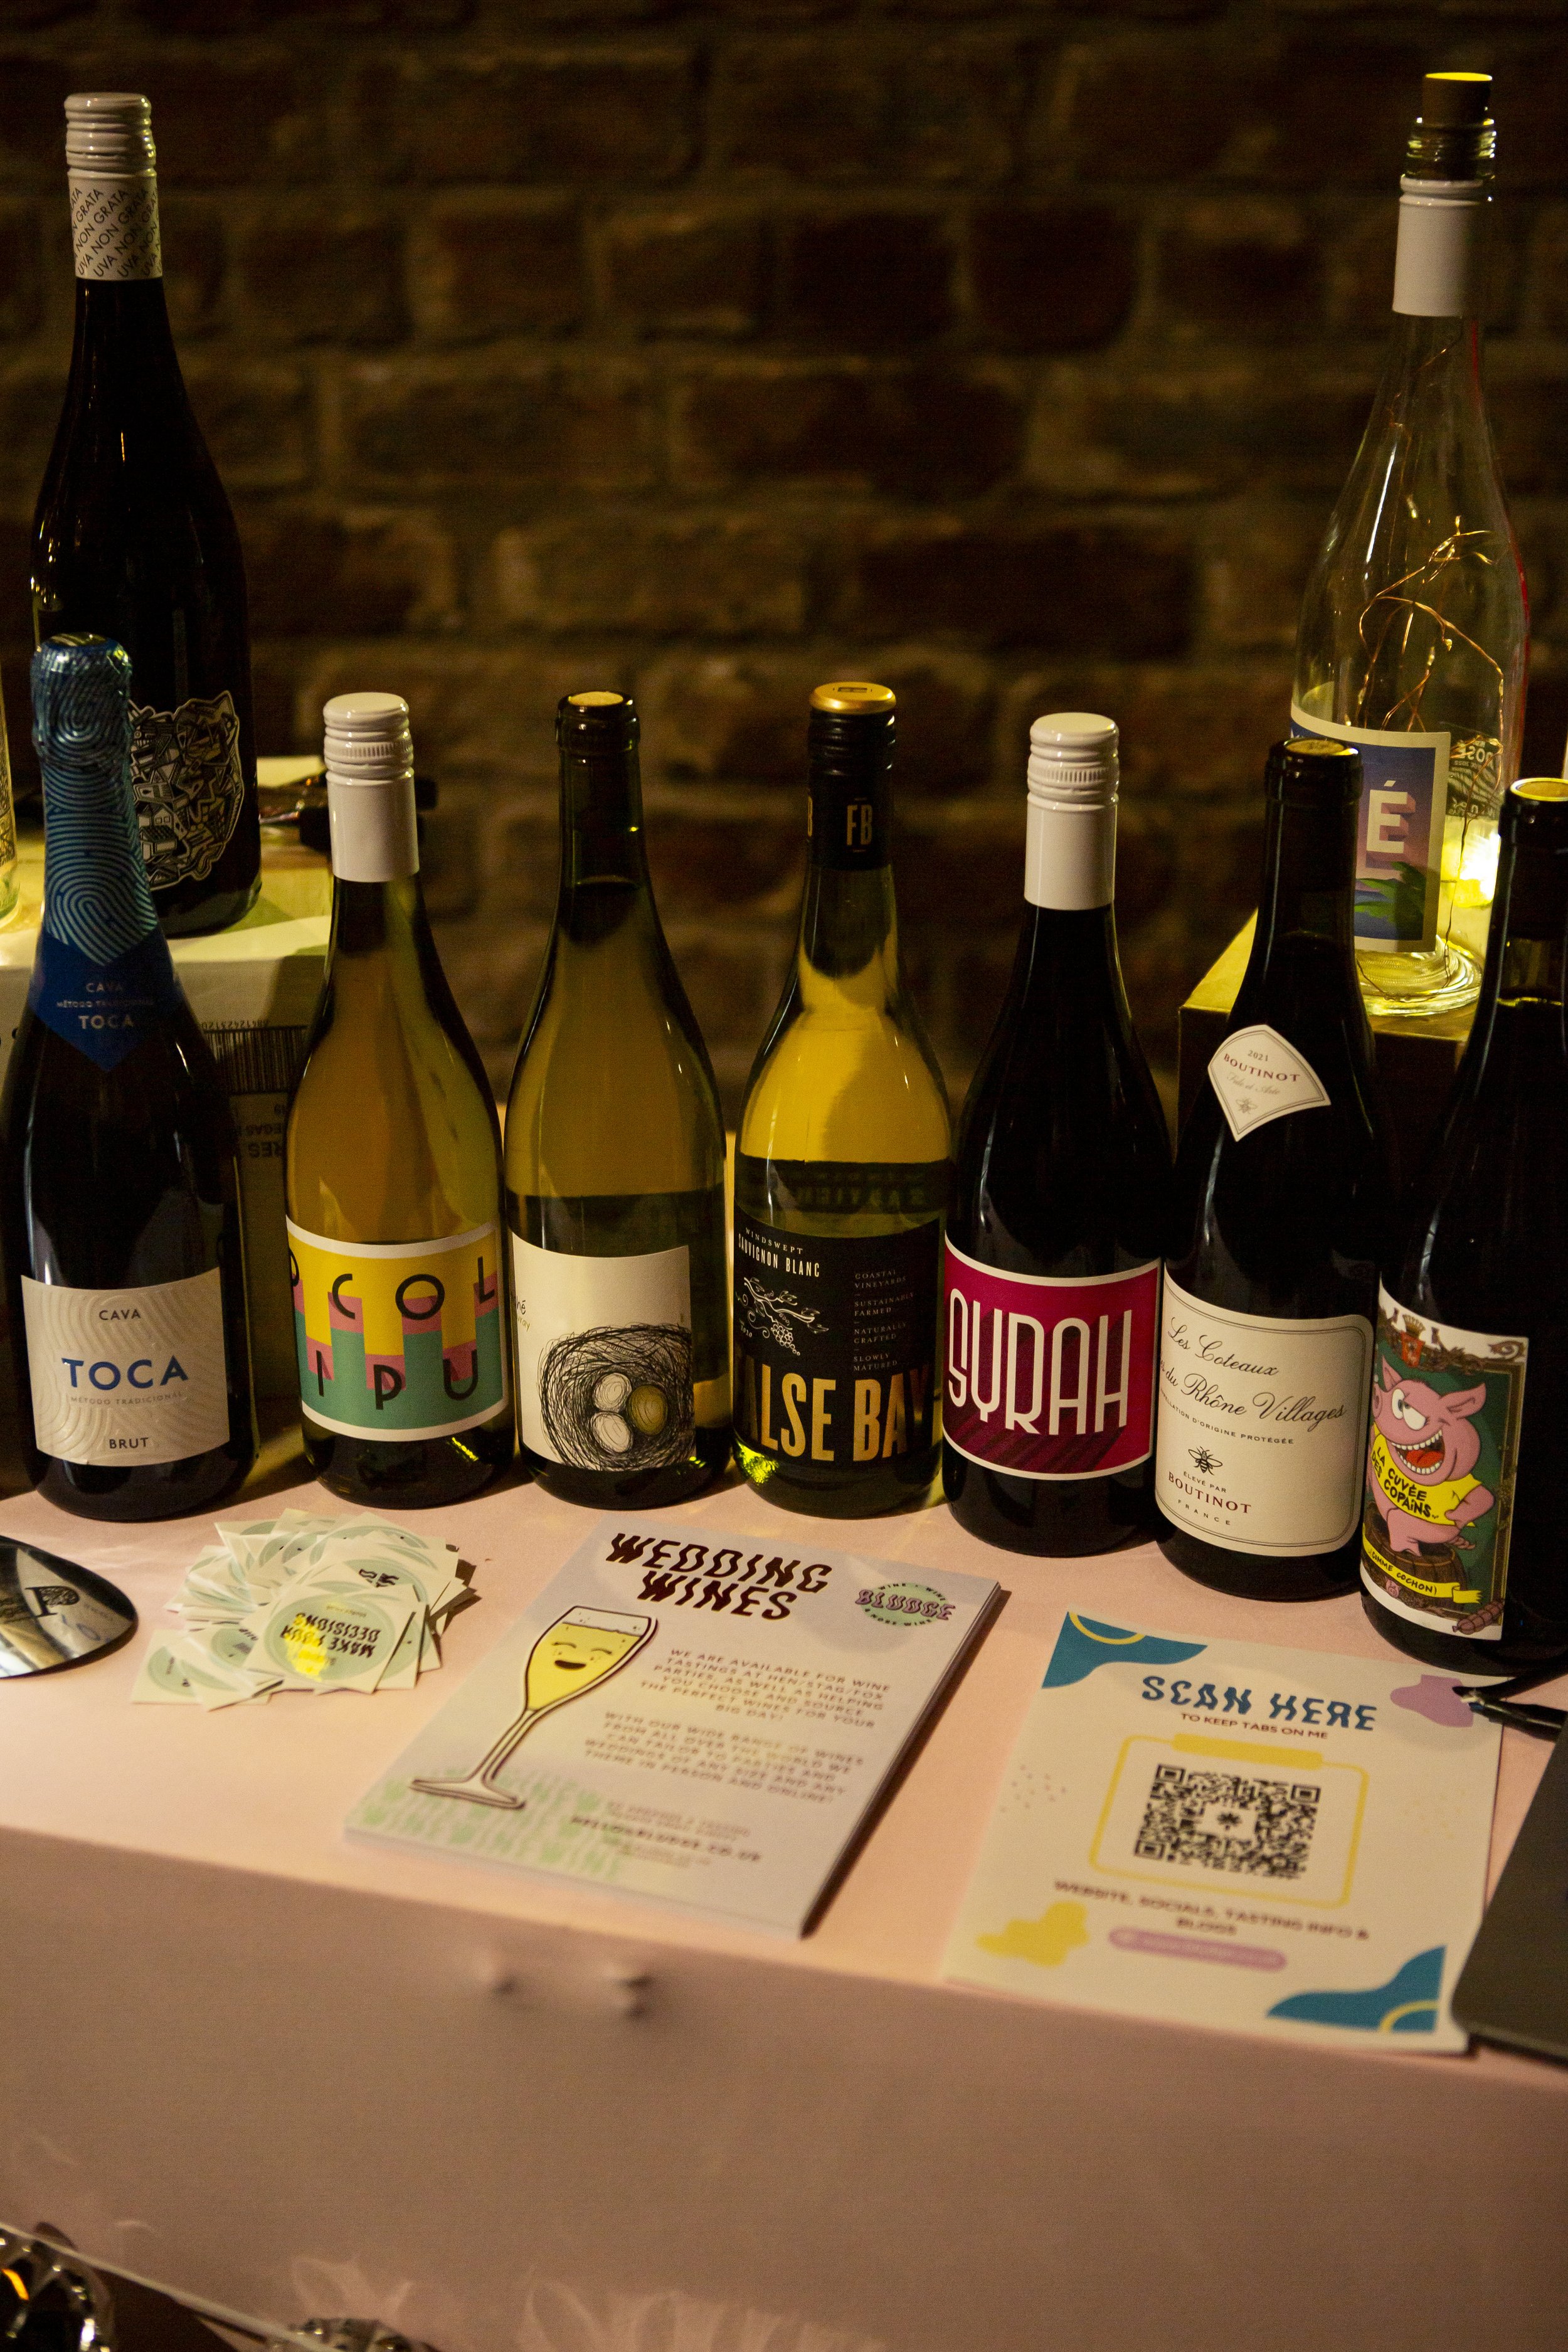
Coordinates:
<point>367,739</point>
<point>1074,759</point>
<point>110,131</point>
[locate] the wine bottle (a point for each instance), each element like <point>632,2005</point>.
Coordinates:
<point>392,1167</point>
<point>842,1167</point>
<point>119,1161</point>
<point>1415,635</point>
<point>1284,1193</point>
<point>1465,1559</point>
<point>1062,1201</point>
<point>614,1167</point>
<point>133,536</point>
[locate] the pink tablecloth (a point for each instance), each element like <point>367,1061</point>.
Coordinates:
<point>258,2064</point>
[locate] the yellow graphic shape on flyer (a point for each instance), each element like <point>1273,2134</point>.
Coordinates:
<point>572,1657</point>
<point>1046,1941</point>
<point>1254,1820</point>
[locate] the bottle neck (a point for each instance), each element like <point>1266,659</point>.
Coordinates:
<point>96,893</point>
<point>1518,1032</point>
<point>1069,853</point>
<point>602,836</point>
<point>377,922</point>
<point>1439,271</point>
<point>1307,901</point>
<point>848,917</point>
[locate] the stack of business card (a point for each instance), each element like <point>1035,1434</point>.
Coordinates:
<point>304,1602</point>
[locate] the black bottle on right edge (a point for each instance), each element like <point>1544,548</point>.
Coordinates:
<point>1284,1200</point>
<point>1061,1201</point>
<point>1465,1537</point>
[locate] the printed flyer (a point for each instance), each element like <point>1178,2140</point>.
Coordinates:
<point>1227,1834</point>
<point>704,1720</point>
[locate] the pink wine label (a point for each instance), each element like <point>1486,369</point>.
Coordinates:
<point>1048,1378</point>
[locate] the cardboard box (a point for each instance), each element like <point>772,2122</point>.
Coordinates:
<point>1416,1059</point>
<point>254,990</point>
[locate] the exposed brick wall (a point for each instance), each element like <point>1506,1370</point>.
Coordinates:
<point>1012,354</point>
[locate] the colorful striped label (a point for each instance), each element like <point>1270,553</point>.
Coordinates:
<point>399,1340</point>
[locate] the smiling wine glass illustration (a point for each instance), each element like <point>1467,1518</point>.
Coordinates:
<point>572,1657</point>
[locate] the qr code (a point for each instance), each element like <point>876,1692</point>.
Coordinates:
<point>1222,1820</point>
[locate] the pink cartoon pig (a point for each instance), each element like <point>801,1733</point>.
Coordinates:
<point>1424,1445</point>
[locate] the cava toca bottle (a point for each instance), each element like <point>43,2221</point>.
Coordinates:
<point>614,1167</point>
<point>393,1167</point>
<point>842,1169</point>
<point>120,1182</point>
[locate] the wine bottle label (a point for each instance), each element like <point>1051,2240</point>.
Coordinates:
<point>603,1357</point>
<point>114,226</point>
<point>1258,1076</point>
<point>1445,1406</point>
<point>836,1337</point>
<point>188,786</point>
<point>121,1377</point>
<point>1050,1378</point>
<point>849,822</point>
<point>105,1009</point>
<point>399,1340</point>
<point>1399,831</point>
<point>1262,1426</point>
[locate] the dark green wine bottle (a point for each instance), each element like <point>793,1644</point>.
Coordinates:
<point>1465,1558</point>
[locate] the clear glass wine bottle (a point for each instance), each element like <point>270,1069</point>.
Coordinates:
<point>1414,636</point>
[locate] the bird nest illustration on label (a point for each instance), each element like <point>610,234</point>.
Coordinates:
<point>189,787</point>
<point>619,1398</point>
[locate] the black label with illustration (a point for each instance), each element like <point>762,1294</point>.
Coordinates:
<point>836,1337</point>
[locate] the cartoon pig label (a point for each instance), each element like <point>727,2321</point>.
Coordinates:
<point>1421,1469</point>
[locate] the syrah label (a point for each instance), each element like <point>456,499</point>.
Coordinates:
<point>104,1010</point>
<point>1047,1377</point>
<point>399,1340</point>
<point>188,786</point>
<point>836,1335</point>
<point>121,1377</point>
<point>114,226</point>
<point>1445,1407</point>
<point>1262,1426</point>
<point>1258,1076</point>
<point>603,1357</point>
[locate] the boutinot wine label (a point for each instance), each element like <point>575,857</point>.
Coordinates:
<point>120,1377</point>
<point>604,1356</point>
<point>1261,1424</point>
<point>1048,1378</point>
<point>1258,1076</point>
<point>1445,1406</point>
<point>836,1337</point>
<point>399,1340</point>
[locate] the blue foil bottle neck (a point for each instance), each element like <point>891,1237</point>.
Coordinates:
<point>96,894</point>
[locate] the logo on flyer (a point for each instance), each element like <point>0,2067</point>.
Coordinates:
<point>903,1604</point>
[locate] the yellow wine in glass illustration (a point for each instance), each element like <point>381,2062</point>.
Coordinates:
<point>572,1657</point>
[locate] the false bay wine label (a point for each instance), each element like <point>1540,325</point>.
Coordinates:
<point>188,786</point>
<point>1399,831</point>
<point>1262,1426</point>
<point>1445,1406</point>
<point>114,226</point>
<point>1049,1378</point>
<point>836,1335</point>
<point>1258,1076</point>
<point>603,1357</point>
<point>121,1377</point>
<point>399,1339</point>
<point>104,1009</point>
